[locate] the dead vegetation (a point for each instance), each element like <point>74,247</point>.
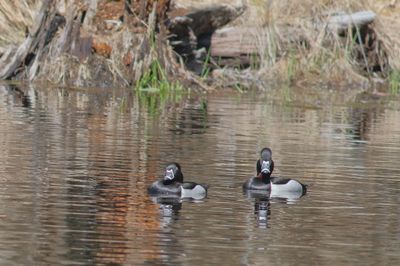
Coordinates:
<point>90,43</point>
<point>15,18</point>
<point>115,43</point>
<point>297,46</point>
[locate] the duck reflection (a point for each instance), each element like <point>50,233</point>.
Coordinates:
<point>262,206</point>
<point>169,208</point>
<point>263,200</point>
<point>262,211</point>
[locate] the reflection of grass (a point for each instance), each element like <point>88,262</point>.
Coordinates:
<point>154,89</point>
<point>287,93</point>
<point>203,105</point>
<point>394,82</point>
<point>123,105</point>
<point>155,100</point>
<point>291,68</point>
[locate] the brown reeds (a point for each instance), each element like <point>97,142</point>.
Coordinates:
<point>16,17</point>
<point>78,53</point>
<point>336,58</point>
<point>295,45</point>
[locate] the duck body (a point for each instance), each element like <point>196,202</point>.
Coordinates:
<point>277,186</point>
<point>257,183</point>
<point>161,187</point>
<point>173,185</point>
<point>287,188</point>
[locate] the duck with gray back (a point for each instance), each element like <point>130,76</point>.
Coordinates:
<point>172,184</point>
<point>275,186</point>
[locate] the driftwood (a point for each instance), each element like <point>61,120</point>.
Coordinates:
<point>242,46</point>
<point>341,22</point>
<point>200,33</point>
<point>235,46</point>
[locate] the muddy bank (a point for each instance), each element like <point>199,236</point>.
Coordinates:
<point>140,43</point>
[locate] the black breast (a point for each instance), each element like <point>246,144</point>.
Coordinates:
<point>159,188</point>
<point>256,183</point>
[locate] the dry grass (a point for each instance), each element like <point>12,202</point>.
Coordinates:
<point>15,18</point>
<point>326,57</point>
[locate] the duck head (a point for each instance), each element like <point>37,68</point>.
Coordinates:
<point>265,165</point>
<point>173,173</point>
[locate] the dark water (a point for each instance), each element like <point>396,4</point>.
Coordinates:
<point>74,167</point>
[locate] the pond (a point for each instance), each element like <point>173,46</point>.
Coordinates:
<point>75,166</point>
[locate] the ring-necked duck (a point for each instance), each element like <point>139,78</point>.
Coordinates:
<point>172,184</point>
<point>278,186</point>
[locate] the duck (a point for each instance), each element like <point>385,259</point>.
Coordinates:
<point>173,185</point>
<point>275,186</point>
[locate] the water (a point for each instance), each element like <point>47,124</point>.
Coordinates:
<point>75,165</point>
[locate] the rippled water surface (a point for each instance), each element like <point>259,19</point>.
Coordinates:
<point>75,165</point>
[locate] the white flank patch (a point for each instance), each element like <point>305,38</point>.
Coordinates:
<point>198,192</point>
<point>290,190</point>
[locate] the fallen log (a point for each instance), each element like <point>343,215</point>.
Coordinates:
<point>238,46</point>
<point>246,44</point>
<point>341,22</point>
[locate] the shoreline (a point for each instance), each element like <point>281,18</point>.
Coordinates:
<point>90,47</point>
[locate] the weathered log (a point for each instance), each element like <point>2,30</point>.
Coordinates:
<point>236,45</point>
<point>246,45</point>
<point>236,42</point>
<point>342,22</point>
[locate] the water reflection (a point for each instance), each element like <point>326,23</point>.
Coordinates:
<point>262,210</point>
<point>19,97</point>
<point>365,110</point>
<point>192,120</point>
<point>76,164</point>
<point>262,204</point>
<point>171,247</point>
<point>169,208</point>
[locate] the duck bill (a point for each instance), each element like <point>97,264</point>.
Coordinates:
<point>266,167</point>
<point>169,174</point>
